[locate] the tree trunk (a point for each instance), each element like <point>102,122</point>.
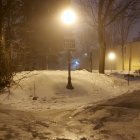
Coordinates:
<point>0,23</point>
<point>91,61</point>
<point>122,58</point>
<point>102,48</point>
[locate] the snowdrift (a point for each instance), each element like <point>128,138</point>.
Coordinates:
<point>50,89</point>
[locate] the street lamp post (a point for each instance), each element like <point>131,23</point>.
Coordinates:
<point>68,17</point>
<point>69,84</point>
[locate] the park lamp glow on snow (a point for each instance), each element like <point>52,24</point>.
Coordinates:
<point>112,56</point>
<point>68,17</point>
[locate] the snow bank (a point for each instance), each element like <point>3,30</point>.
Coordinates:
<point>50,88</point>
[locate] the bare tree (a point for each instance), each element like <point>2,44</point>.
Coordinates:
<point>125,24</point>
<point>104,13</point>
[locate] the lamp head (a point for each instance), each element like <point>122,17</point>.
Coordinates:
<point>68,17</point>
<point>112,56</point>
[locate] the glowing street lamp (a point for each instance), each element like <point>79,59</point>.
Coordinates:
<point>85,54</point>
<point>111,57</point>
<point>68,17</point>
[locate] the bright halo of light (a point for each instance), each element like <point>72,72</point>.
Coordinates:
<point>112,56</point>
<point>68,17</point>
<point>85,54</point>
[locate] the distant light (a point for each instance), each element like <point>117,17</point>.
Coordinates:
<point>77,63</point>
<point>85,54</point>
<point>112,56</point>
<point>68,17</point>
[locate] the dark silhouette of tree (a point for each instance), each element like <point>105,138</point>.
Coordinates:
<point>29,32</point>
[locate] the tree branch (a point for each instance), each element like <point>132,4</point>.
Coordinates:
<point>119,12</point>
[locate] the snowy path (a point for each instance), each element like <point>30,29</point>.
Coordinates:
<point>115,119</point>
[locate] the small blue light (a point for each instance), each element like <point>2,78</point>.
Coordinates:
<point>75,63</point>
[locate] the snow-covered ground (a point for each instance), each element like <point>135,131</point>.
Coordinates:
<point>50,88</point>
<point>100,107</point>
